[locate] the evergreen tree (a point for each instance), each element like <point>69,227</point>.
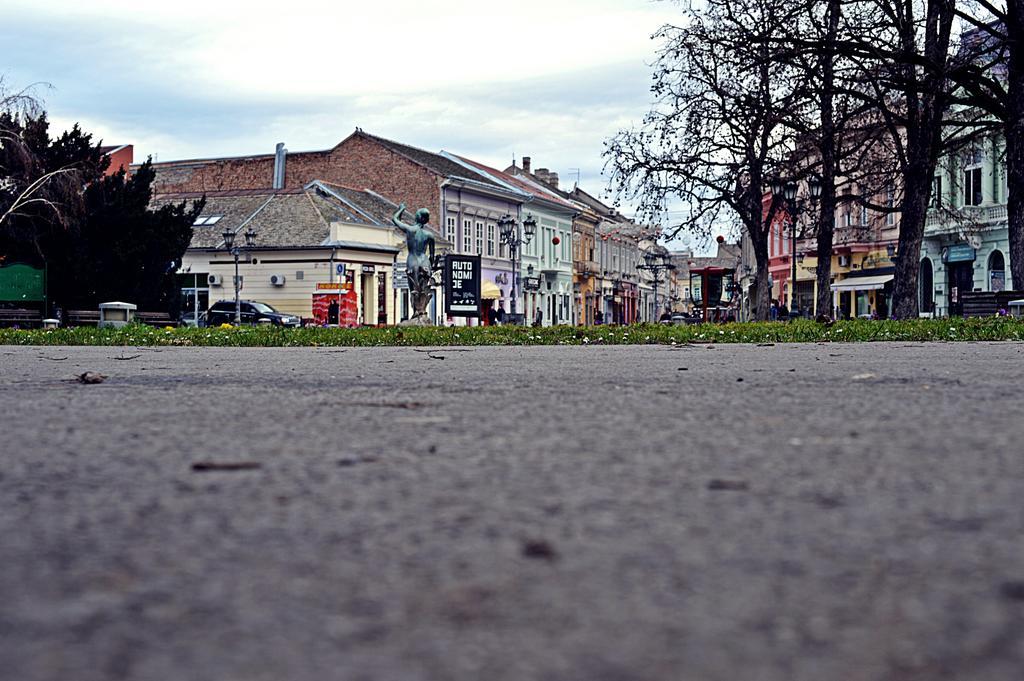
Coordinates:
<point>95,234</point>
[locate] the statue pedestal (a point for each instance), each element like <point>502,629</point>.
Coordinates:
<point>418,320</point>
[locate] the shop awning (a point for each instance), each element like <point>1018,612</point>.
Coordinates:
<point>490,291</point>
<point>862,283</point>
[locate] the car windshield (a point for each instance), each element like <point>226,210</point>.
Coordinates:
<point>263,307</point>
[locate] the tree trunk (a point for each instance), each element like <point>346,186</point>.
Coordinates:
<point>917,190</point>
<point>762,295</point>
<point>1014,131</point>
<point>827,148</point>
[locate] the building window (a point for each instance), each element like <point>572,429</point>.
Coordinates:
<point>936,201</point>
<point>890,203</point>
<point>451,230</point>
<point>864,216</point>
<point>467,236</point>
<point>479,238</point>
<point>972,187</point>
<point>973,193</point>
<point>490,240</point>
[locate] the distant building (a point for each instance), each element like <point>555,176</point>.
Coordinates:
<point>121,157</point>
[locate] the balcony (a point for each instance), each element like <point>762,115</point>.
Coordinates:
<point>945,222</point>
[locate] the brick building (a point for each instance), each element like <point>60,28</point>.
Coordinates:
<point>465,205</point>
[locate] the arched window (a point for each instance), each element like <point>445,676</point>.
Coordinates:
<point>927,284</point>
<point>996,272</point>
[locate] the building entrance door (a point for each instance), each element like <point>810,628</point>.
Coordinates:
<point>960,280</point>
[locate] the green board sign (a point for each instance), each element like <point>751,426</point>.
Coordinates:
<point>959,253</point>
<point>21,284</point>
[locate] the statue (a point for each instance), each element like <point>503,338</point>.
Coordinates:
<point>418,265</point>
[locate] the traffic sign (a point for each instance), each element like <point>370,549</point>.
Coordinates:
<point>340,269</point>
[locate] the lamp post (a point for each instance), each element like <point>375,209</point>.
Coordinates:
<point>786,190</point>
<point>236,251</point>
<point>515,240</point>
<point>655,263</point>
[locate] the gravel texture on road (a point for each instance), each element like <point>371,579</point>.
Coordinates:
<point>721,513</point>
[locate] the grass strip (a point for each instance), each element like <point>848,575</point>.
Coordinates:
<point>918,330</point>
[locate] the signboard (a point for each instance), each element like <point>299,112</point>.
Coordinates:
<point>399,279</point>
<point>531,283</point>
<point>958,253</point>
<point>21,283</point>
<point>368,269</point>
<point>462,285</point>
<point>331,286</point>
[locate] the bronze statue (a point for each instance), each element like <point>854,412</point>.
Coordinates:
<point>418,265</point>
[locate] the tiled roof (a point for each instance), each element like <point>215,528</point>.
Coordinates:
<point>293,218</point>
<point>523,184</point>
<point>369,205</point>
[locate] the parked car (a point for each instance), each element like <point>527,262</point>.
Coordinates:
<point>253,312</point>
<point>193,319</point>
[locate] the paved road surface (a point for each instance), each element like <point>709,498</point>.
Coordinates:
<point>596,514</point>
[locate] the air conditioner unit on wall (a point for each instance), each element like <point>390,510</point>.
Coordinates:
<point>277,280</point>
<point>214,279</point>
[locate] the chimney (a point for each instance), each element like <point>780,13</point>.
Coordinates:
<point>526,164</point>
<point>553,180</point>
<point>280,154</point>
<point>541,174</point>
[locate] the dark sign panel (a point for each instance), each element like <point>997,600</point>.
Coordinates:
<point>462,285</point>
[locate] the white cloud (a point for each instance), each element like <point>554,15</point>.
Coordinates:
<point>482,78</point>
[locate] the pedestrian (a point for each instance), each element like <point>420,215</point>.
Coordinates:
<point>599,317</point>
<point>500,315</point>
<point>332,313</point>
<point>783,311</point>
<point>773,311</point>
<point>538,318</point>
<point>492,316</point>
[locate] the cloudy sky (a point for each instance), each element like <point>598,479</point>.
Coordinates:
<point>549,79</point>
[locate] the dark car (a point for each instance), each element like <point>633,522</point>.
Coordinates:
<point>253,312</point>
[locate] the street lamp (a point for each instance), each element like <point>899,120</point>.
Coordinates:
<point>236,251</point>
<point>655,263</point>
<point>786,190</point>
<point>515,240</point>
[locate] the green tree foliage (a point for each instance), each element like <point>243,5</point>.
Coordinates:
<point>94,233</point>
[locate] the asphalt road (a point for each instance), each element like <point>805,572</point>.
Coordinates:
<point>733,513</point>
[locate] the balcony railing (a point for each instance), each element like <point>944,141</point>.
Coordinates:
<point>939,222</point>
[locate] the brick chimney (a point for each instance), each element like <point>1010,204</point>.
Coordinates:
<point>526,165</point>
<point>553,180</point>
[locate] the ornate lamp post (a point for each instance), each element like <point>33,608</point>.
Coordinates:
<point>515,240</point>
<point>786,190</point>
<point>236,250</point>
<point>655,263</point>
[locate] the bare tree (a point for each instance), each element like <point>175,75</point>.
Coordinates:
<point>715,135</point>
<point>27,187</point>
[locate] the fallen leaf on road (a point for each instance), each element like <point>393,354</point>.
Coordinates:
<point>208,466</point>
<point>90,378</point>
<point>718,484</point>
<point>539,549</point>
<point>1012,590</point>
<point>862,377</point>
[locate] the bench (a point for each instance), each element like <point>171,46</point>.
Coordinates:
<point>20,317</point>
<point>82,317</point>
<point>155,319</point>
<point>987,303</point>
